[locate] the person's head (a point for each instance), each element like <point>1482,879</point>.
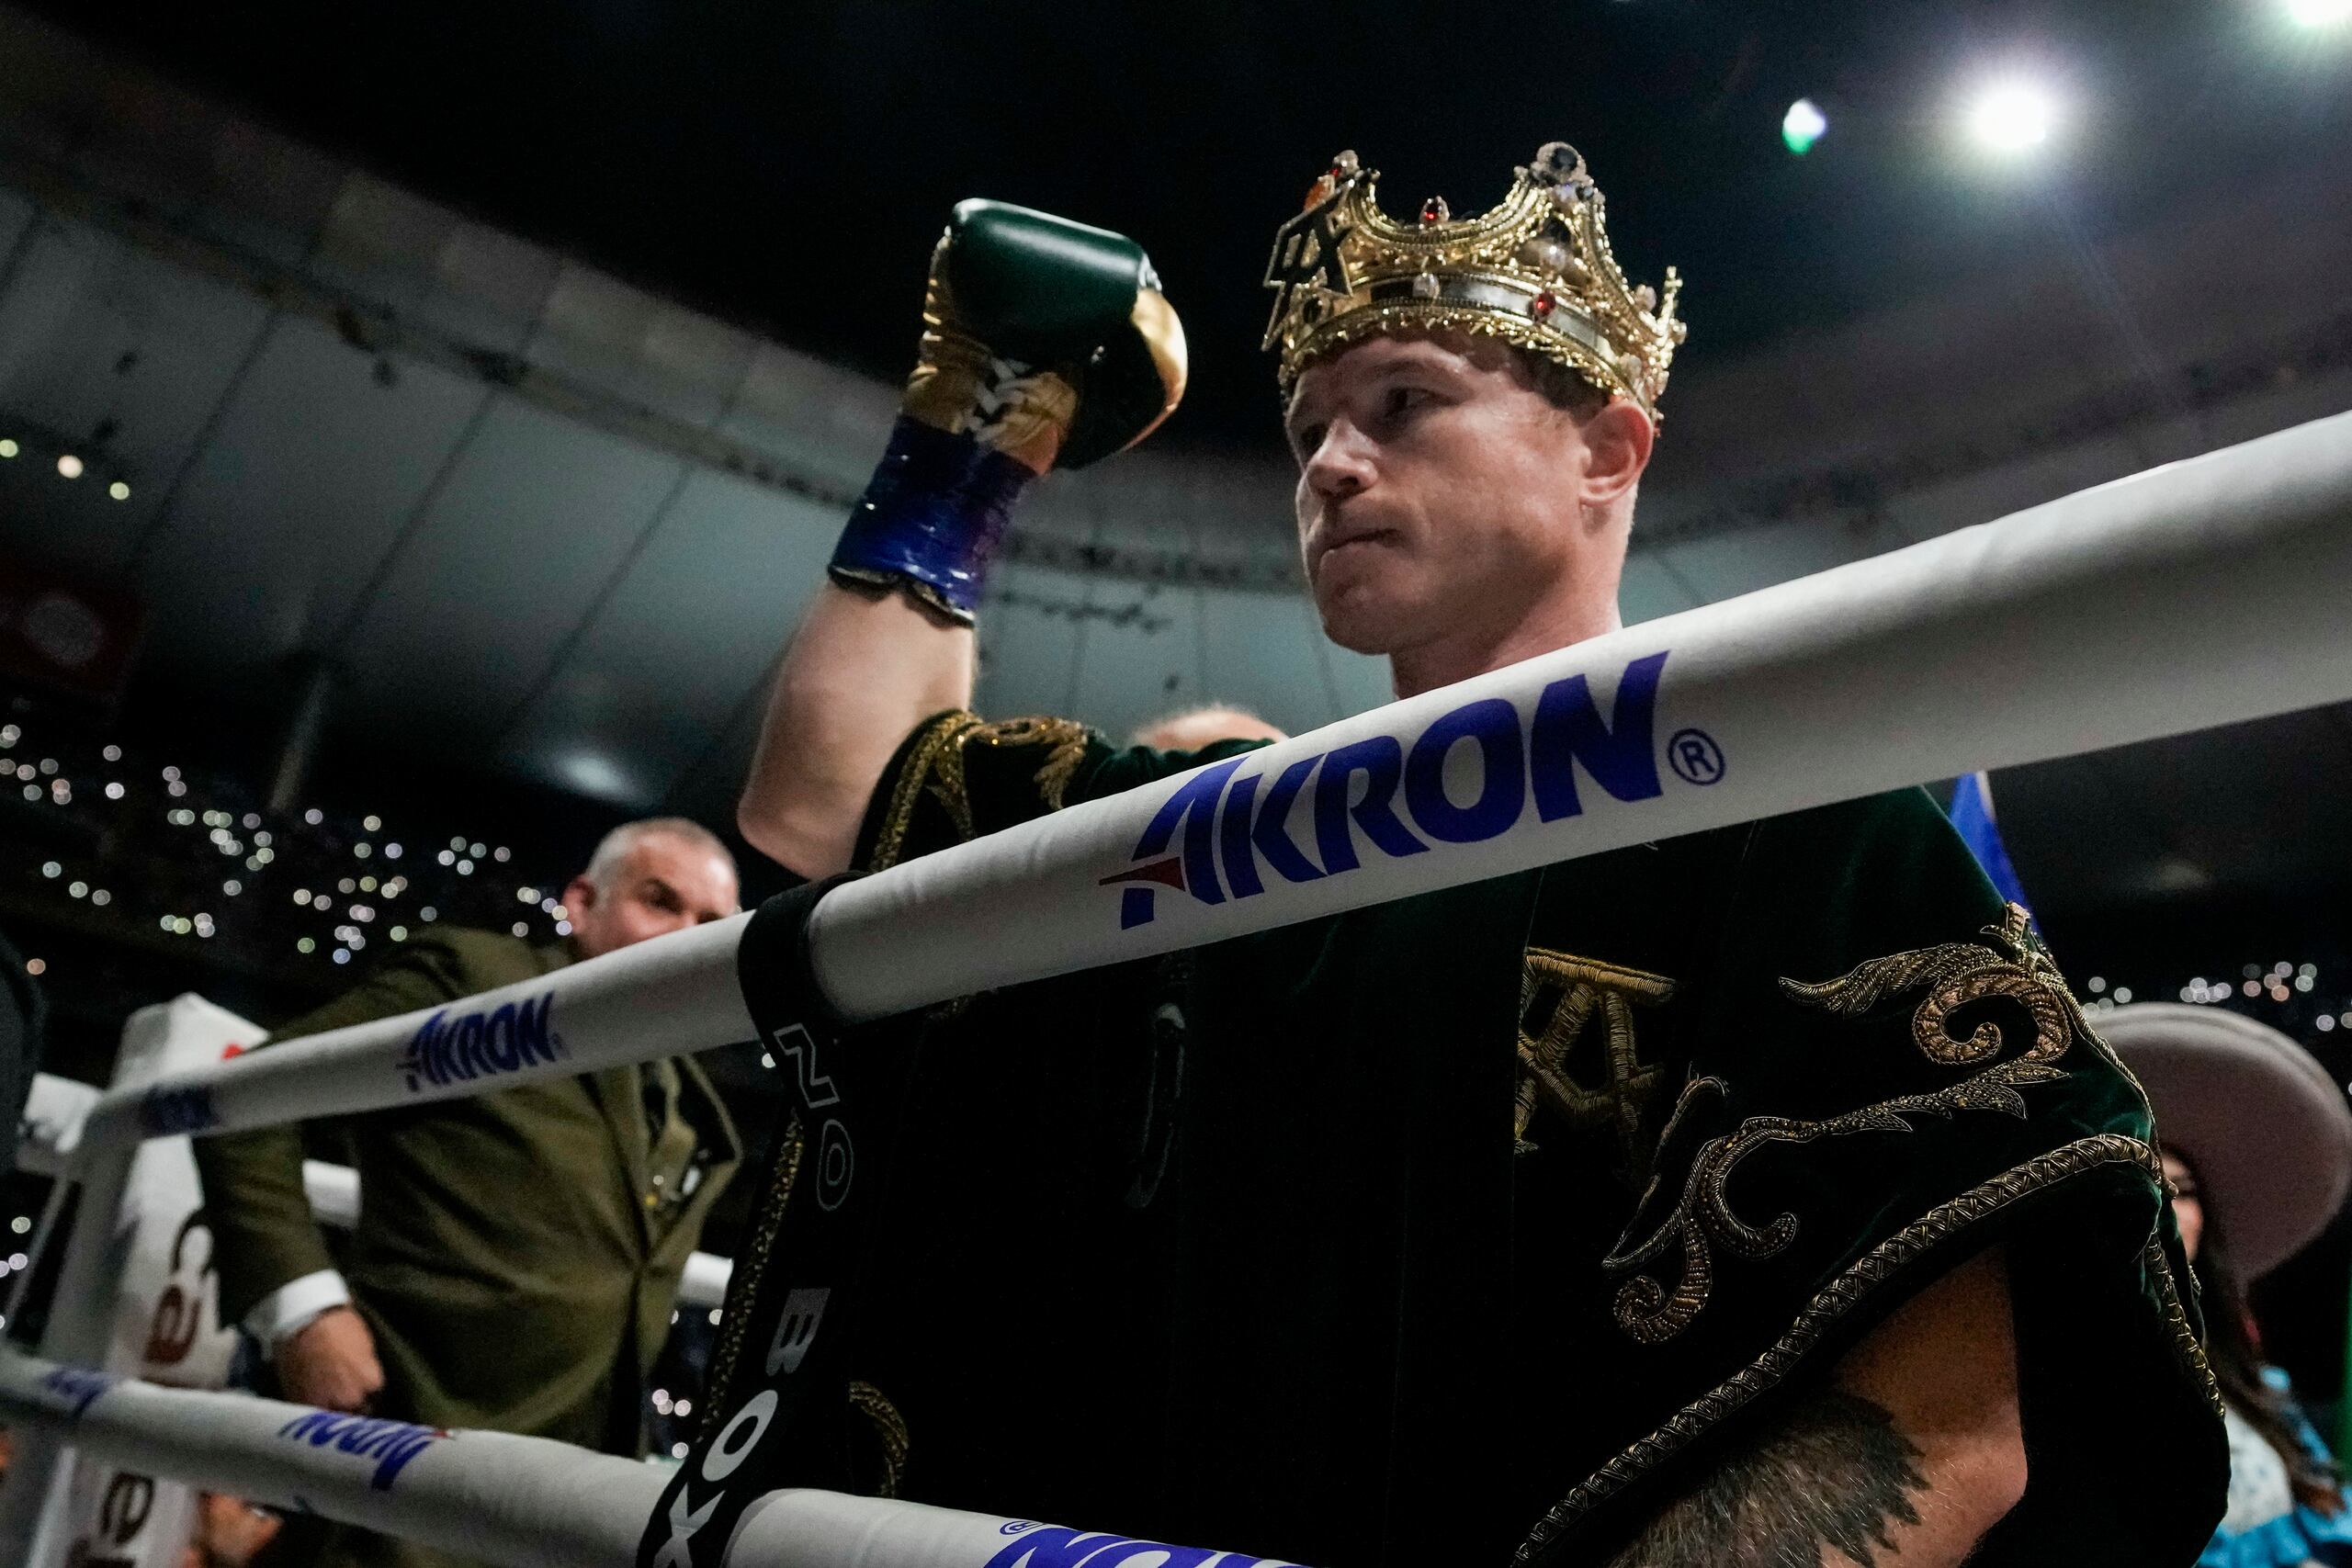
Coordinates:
<point>1461,502</point>
<point>2188,1203</point>
<point>2232,1348</point>
<point>648,879</point>
<point>1195,728</point>
<point>1471,404</point>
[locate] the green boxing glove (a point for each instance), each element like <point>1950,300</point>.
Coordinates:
<point>1044,341</point>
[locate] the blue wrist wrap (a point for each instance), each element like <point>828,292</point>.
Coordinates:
<point>931,517</point>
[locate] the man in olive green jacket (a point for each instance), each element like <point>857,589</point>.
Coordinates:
<point>518,1254</point>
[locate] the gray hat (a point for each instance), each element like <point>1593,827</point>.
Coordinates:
<point>2267,1130</point>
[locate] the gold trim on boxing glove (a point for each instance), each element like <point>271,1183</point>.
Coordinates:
<point>960,386</point>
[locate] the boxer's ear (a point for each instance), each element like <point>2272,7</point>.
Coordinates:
<point>1617,444</point>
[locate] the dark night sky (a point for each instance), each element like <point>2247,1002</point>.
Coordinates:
<point>787,165</point>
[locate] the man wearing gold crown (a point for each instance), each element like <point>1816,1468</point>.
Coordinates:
<point>1754,1197</point>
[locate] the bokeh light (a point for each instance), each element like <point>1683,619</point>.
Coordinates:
<point>1802,126</point>
<point>2011,116</point>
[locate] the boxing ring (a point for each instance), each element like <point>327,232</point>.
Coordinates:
<point>2204,592</point>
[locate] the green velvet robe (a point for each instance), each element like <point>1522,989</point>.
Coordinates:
<point>513,1257</point>
<point>1482,1222</point>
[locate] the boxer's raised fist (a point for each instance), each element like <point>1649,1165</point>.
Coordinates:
<point>1045,340</point>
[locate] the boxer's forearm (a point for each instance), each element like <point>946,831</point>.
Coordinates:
<point>1905,1461</point>
<point>861,673</point>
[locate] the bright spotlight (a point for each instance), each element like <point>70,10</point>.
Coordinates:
<point>70,466</point>
<point>1802,126</point>
<point>2011,117</point>
<point>2319,13</point>
<point>119,491</point>
<point>8,447</point>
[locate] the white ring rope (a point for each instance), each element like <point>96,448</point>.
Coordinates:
<point>517,1502</point>
<point>2201,594</point>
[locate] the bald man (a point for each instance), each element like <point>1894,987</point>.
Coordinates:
<point>517,1253</point>
<point>1195,728</point>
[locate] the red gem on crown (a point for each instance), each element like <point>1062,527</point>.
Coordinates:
<point>1542,304</point>
<point>1434,210</point>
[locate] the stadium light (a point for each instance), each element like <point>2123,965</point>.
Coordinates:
<point>1802,126</point>
<point>2011,117</point>
<point>2319,13</point>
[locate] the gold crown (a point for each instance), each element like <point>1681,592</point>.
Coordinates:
<point>1536,272</point>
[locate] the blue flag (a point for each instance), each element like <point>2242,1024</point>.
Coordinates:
<point>1972,814</point>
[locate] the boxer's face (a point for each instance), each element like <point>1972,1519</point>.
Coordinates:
<point>664,883</point>
<point>1443,502</point>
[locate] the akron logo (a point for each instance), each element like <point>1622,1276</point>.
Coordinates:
<point>486,1042</point>
<point>1229,834</point>
<point>391,1445</point>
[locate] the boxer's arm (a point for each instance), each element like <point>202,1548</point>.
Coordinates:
<point>862,671</point>
<point>1914,1452</point>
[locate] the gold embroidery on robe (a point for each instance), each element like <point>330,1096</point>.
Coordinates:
<point>1065,736</point>
<point>750,1259</point>
<point>889,1430</point>
<point>1934,1229</point>
<point>1954,975</point>
<point>944,737</point>
<point>1591,994</point>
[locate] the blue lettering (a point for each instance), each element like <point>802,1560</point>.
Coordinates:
<point>1054,1546</point>
<point>498,1040</point>
<point>467,1052</point>
<point>419,1061</point>
<point>1568,729</point>
<point>1050,1546</point>
<point>1267,834</point>
<point>1196,798</point>
<point>188,1109</point>
<point>482,1045</point>
<point>1382,762</point>
<point>396,1458</point>
<point>1233,838</point>
<point>317,1427</point>
<point>1494,724</point>
<point>437,1049</point>
<point>533,1039</point>
<point>391,1444</point>
<point>76,1386</point>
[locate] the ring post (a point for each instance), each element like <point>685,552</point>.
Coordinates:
<point>80,1324</point>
